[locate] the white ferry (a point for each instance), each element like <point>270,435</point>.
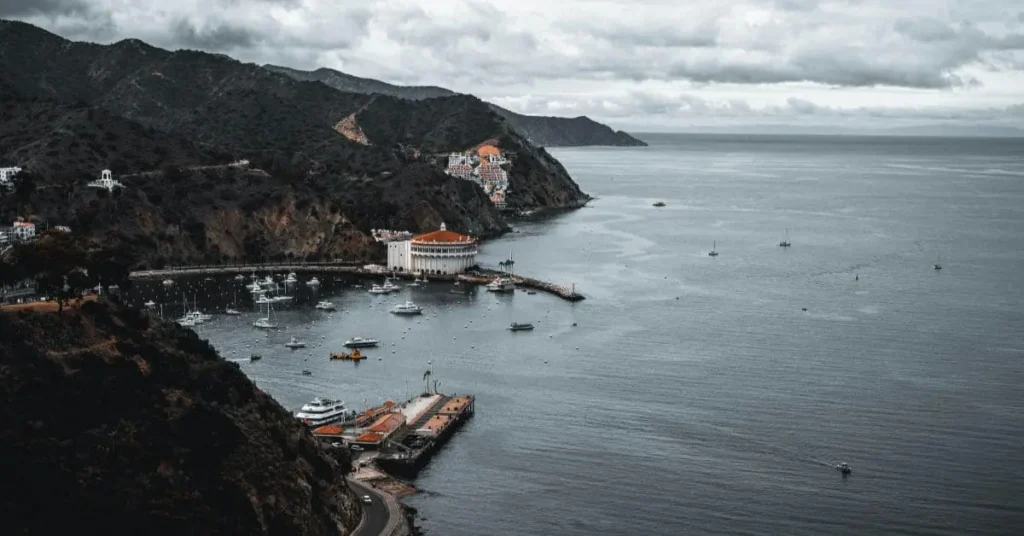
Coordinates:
<point>321,411</point>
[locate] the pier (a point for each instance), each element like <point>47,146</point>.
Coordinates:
<point>480,277</point>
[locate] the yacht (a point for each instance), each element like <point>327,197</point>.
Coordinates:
<point>377,289</point>
<point>517,326</point>
<point>291,278</point>
<point>359,342</point>
<point>280,299</point>
<point>232,312</point>
<point>313,282</point>
<point>325,306</point>
<point>268,282</point>
<point>186,321</point>
<point>321,411</point>
<point>264,323</point>
<point>785,241</point>
<point>168,283</point>
<point>714,249</point>
<point>390,287</point>
<point>295,343</point>
<point>407,308</point>
<point>501,284</point>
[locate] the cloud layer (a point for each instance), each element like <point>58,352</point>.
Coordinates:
<point>613,59</point>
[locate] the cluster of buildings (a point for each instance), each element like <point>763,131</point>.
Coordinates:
<point>438,252</point>
<point>387,235</point>
<point>7,176</point>
<point>19,231</point>
<point>486,167</point>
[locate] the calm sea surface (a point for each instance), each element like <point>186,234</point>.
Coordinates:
<point>695,395</point>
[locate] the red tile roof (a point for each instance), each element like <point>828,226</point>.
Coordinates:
<point>442,237</point>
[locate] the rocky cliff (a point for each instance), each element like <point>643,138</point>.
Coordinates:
<point>111,420</point>
<point>538,130</point>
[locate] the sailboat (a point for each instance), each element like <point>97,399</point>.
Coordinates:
<point>938,263</point>
<point>785,242</point>
<point>231,310</point>
<point>266,322</point>
<point>714,247</point>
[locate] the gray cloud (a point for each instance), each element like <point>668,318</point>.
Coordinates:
<point>217,37</point>
<point>20,8</point>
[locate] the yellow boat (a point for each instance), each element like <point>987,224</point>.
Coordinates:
<point>354,356</point>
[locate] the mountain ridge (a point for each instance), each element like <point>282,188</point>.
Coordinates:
<point>545,131</point>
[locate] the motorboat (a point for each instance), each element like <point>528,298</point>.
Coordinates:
<point>200,317</point>
<point>377,289</point>
<point>359,342</point>
<point>659,204</point>
<point>501,284</point>
<point>531,292</point>
<point>320,411</point>
<point>232,312</point>
<point>168,283</point>
<point>307,372</point>
<point>517,326</point>
<point>255,357</point>
<point>295,343</point>
<point>390,287</point>
<point>325,305</point>
<point>844,468</point>
<point>150,304</point>
<point>407,308</point>
<point>356,355</point>
<point>313,282</point>
<point>186,321</point>
<point>281,299</point>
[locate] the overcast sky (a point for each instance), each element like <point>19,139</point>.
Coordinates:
<point>641,65</point>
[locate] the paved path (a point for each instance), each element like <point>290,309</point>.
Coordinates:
<point>382,516</point>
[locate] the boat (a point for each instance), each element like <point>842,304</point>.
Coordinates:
<point>307,372</point>
<point>659,204</point>
<point>232,312</point>
<point>295,343</point>
<point>407,308</point>
<point>390,287</point>
<point>325,306</point>
<point>359,342</point>
<point>239,277</point>
<point>255,357</point>
<point>517,326</point>
<point>266,322</point>
<point>291,278</point>
<point>501,284</point>
<point>320,411</point>
<point>531,292</point>
<point>168,283</point>
<point>263,299</point>
<point>844,468</point>
<point>255,288</point>
<point>280,299</point>
<point>150,304</point>
<point>186,322</point>
<point>356,355</point>
<point>313,282</point>
<point>377,289</point>
<point>268,282</point>
<point>938,264</point>
<point>785,241</point>
<point>714,249</point>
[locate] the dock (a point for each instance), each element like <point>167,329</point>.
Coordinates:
<point>401,438</point>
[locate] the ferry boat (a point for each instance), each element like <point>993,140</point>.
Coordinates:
<point>325,306</point>
<point>517,326</point>
<point>359,342</point>
<point>314,282</point>
<point>356,355</point>
<point>407,308</point>
<point>501,284</point>
<point>295,343</point>
<point>320,411</point>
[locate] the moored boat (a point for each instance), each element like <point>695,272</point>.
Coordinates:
<point>295,343</point>
<point>407,308</point>
<point>325,305</point>
<point>321,411</point>
<point>356,355</point>
<point>360,342</point>
<point>520,326</point>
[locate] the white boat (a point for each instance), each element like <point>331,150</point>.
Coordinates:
<point>264,323</point>
<point>168,283</point>
<point>377,289</point>
<point>291,278</point>
<point>268,282</point>
<point>325,306</point>
<point>407,308</point>
<point>359,342</point>
<point>322,411</point>
<point>200,317</point>
<point>501,284</point>
<point>232,312</point>
<point>255,288</point>
<point>150,304</point>
<point>239,277</point>
<point>390,287</point>
<point>295,343</point>
<point>263,299</point>
<point>186,321</point>
<point>280,299</point>
<point>313,282</point>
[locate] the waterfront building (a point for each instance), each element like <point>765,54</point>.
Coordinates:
<point>23,231</point>
<point>106,181</point>
<point>439,252</point>
<point>7,175</point>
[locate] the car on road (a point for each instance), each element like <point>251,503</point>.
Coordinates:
<point>367,499</point>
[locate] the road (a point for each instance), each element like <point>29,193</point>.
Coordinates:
<point>377,515</point>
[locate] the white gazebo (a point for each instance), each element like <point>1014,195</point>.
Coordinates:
<point>106,181</point>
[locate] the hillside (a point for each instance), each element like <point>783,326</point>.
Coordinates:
<point>314,189</point>
<point>541,131</point>
<point>113,420</point>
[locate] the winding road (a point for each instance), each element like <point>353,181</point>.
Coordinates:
<point>379,517</point>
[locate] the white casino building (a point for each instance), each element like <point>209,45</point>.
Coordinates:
<point>439,252</point>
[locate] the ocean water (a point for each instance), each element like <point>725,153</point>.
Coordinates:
<point>695,395</point>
